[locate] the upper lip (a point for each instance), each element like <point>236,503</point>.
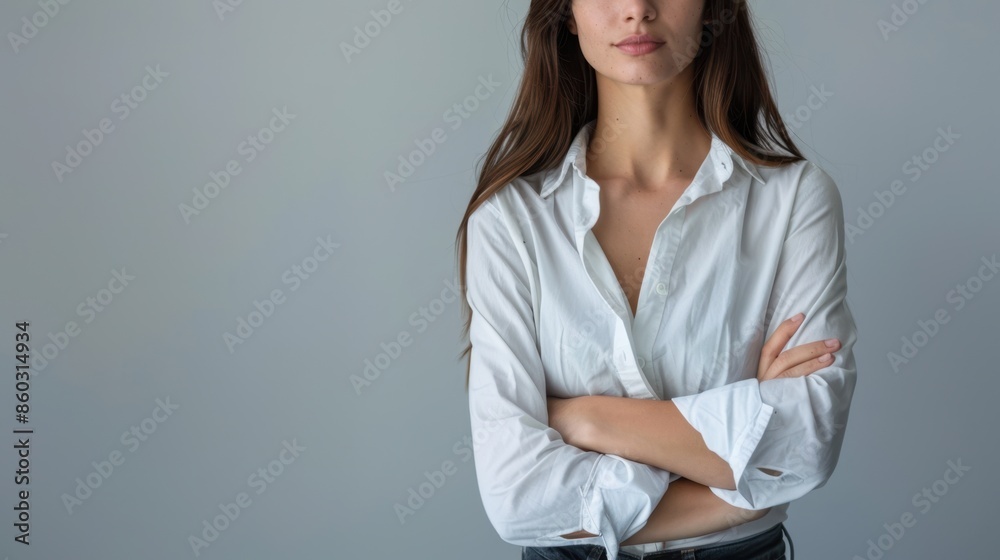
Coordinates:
<point>644,38</point>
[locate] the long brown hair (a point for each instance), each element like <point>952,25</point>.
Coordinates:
<point>558,95</point>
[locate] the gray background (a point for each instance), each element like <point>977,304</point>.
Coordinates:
<point>323,176</point>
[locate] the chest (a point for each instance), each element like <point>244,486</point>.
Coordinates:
<point>626,226</point>
<point>697,281</point>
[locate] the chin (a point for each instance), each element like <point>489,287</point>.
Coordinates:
<point>643,78</point>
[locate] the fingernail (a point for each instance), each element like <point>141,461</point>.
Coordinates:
<point>831,342</point>
<point>798,318</point>
<point>825,357</point>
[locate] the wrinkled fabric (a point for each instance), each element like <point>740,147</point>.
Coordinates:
<point>744,248</point>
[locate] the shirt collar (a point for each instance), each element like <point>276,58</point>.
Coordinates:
<point>723,159</point>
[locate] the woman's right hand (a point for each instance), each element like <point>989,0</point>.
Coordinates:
<point>798,361</point>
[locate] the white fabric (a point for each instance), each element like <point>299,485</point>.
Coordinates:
<point>744,248</point>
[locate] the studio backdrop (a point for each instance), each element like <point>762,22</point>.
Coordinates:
<point>230,319</point>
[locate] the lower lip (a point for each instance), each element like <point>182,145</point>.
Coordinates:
<point>640,48</point>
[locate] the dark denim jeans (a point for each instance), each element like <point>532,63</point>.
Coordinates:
<point>767,545</point>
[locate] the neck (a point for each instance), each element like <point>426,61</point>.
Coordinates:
<point>647,134</point>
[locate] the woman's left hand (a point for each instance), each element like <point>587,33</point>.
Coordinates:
<point>567,416</point>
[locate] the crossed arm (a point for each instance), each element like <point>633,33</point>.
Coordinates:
<point>734,422</point>
<point>688,509</point>
<point>645,430</point>
<point>521,451</point>
<point>655,433</point>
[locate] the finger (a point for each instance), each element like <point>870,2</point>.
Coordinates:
<point>781,336</point>
<point>803,353</point>
<point>808,367</point>
<point>776,343</point>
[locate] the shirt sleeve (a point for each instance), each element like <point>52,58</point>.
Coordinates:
<point>794,426</point>
<point>534,486</point>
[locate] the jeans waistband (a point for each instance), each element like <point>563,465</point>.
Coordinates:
<point>747,547</point>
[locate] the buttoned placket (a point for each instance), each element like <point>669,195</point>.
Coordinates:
<point>634,336</point>
<point>629,361</point>
<point>654,292</point>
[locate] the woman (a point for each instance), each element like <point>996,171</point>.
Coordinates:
<point>636,258</point>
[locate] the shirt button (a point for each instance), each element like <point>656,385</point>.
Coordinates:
<point>661,288</point>
<point>642,362</point>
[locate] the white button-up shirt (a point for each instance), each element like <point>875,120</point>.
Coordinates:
<point>744,248</point>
